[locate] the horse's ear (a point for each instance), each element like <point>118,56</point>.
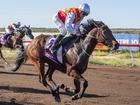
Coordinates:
<point>29,26</point>
<point>24,26</point>
<point>102,22</point>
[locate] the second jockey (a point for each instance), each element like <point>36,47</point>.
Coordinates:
<point>12,28</point>
<point>68,20</point>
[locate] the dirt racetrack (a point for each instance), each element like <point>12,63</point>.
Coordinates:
<point>107,86</point>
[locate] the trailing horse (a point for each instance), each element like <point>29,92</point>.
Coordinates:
<point>75,59</point>
<point>15,40</point>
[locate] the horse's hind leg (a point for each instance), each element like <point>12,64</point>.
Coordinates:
<point>50,81</point>
<point>49,74</point>
<point>42,73</point>
<point>53,87</point>
<point>3,57</point>
<point>40,66</point>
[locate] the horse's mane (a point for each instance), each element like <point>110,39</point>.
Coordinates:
<point>88,25</point>
<point>40,40</point>
<point>22,27</point>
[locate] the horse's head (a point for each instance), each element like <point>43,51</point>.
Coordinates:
<point>24,30</point>
<point>104,35</point>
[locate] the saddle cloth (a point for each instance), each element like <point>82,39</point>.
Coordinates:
<point>6,40</point>
<point>63,48</point>
<point>2,39</point>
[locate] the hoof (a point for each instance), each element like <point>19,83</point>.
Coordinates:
<point>75,91</point>
<point>55,94</point>
<point>64,87</point>
<point>75,97</point>
<point>57,99</point>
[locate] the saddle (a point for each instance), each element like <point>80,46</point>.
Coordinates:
<point>65,44</point>
<point>5,39</point>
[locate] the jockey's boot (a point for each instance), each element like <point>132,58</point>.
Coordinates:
<point>7,38</point>
<point>56,44</point>
<point>68,39</point>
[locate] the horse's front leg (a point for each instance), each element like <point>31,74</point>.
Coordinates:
<point>80,83</point>
<point>70,89</point>
<point>77,86</point>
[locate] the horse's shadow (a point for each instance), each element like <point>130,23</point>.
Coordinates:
<point>38,91</point>
<point>94,95</point>
<point>23,89</point>
<point>17,73</point>
<point>87,95</point>
<point>13,102</point>
<point>1,66</point>
<point>9,103</point>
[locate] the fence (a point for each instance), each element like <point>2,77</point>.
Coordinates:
<point>127,41</point>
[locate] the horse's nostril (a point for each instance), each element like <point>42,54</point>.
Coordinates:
<point>115,46</point>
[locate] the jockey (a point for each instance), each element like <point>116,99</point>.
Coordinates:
<point>12,28</point>
<point>68,20</point>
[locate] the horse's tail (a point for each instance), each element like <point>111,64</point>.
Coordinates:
<point>21,58</point>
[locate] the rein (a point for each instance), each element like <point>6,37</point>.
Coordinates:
<point>99,32</point>
<point>22,33</point>
<point>92,37</point>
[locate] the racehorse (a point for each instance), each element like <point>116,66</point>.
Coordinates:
<point>75,60</point>
<point>15,40</point>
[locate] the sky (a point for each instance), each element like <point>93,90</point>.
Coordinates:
<point>39,13</point>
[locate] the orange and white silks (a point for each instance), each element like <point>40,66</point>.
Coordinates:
<point>62,14</point>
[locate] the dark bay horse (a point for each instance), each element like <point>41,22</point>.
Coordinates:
<point>75,60</point>
<point>15,40</point>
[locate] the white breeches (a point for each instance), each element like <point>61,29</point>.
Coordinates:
<point>60,25</point>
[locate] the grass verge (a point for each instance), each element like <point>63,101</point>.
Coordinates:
<point>117,59</point>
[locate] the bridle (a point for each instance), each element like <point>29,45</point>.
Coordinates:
<point>99,32</point>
